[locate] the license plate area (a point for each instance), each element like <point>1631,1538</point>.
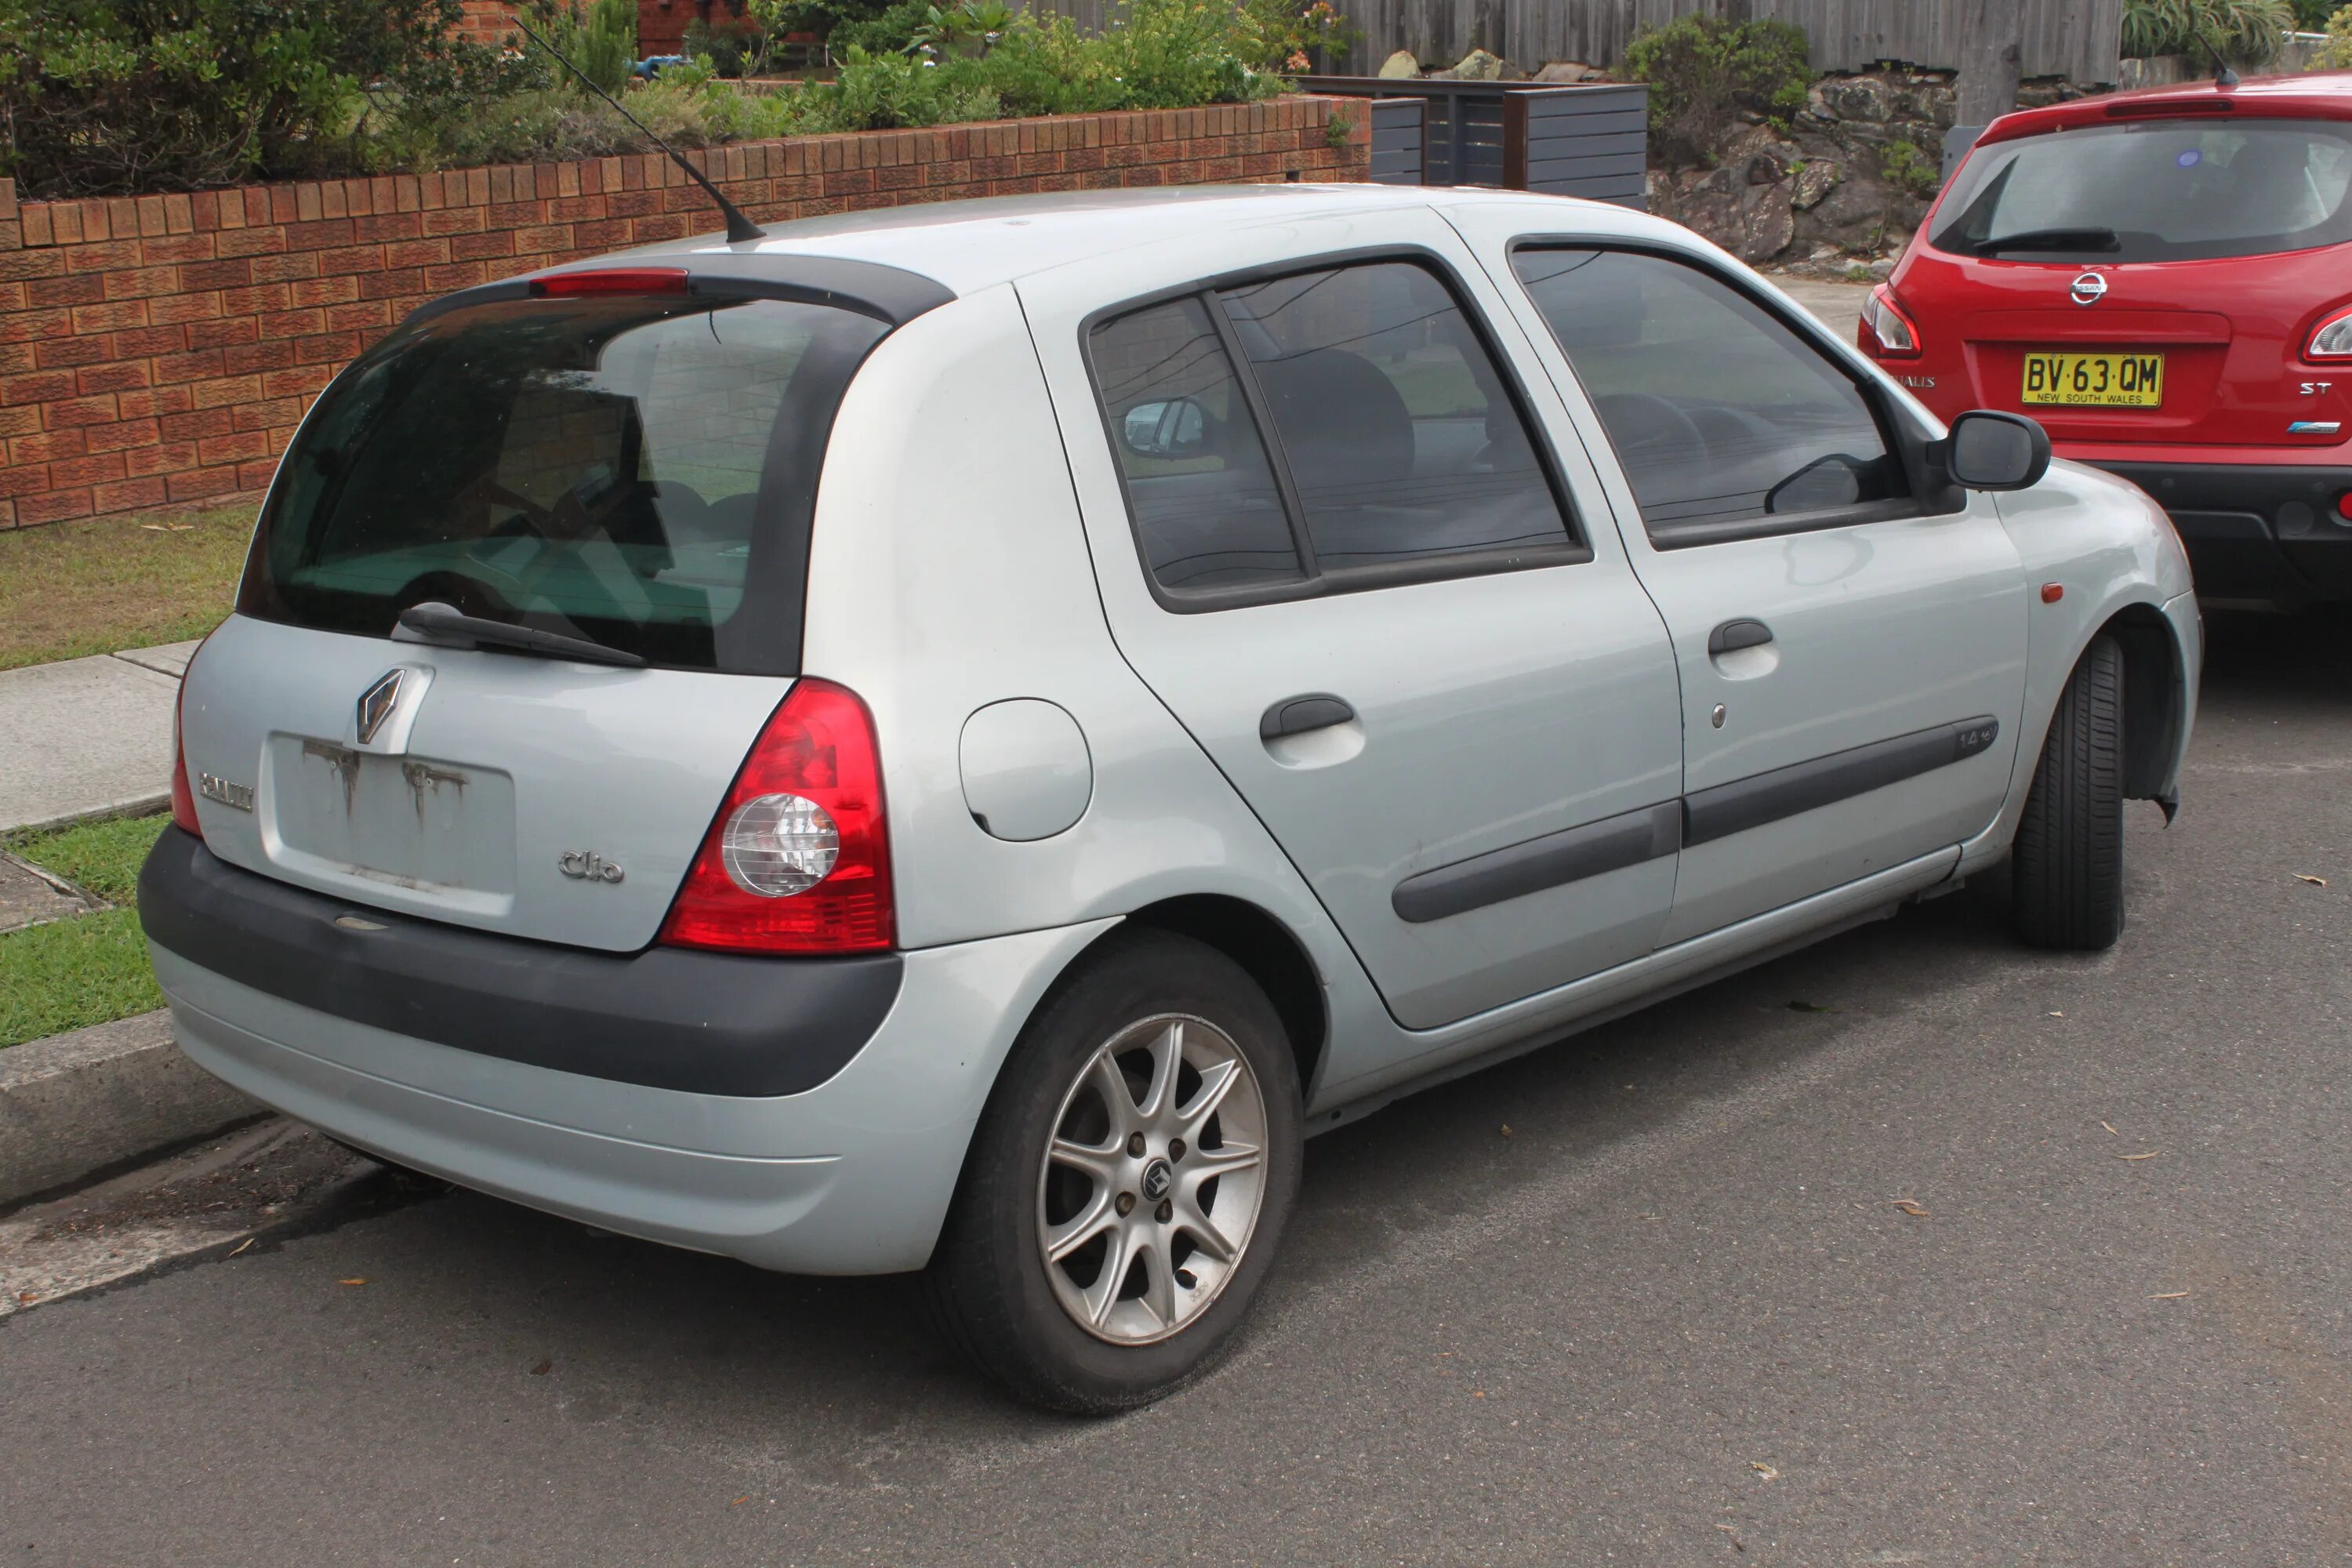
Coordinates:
<point>438,829</point>
<point>2102,380</point>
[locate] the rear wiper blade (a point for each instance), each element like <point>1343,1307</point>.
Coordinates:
<point>445,626</point>
<point>2052,239</point>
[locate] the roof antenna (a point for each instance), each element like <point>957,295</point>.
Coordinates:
<point>739,227</point>
<point>2222,75</point>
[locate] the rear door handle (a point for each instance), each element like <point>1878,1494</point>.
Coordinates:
<point>1297,715</point>
<point>1733,635</point>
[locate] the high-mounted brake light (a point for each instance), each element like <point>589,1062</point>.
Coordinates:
<point>1888,332</point>
<point>798,858</point>
<point>2334,338</point>
<point>610,280</point>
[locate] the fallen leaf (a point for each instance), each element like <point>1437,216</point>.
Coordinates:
<point>2314,881</point>
<point>167,527</point>
<point>2169,1296</point>
<point>2151,1154</point>
<point>1763,1470</point>
<point>739,1501</point>
<point>361,1281</point>
<point>1507,1129</point>
<point>2110,1127</point>
<point>1910,1207</point>
<point>241,1246</point>
<point>2057,1015</point>
<point>543,1368</point>
<point>28,1296</point>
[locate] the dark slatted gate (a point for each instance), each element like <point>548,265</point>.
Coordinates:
<point>1579,142</point>
<point>1585,140</point>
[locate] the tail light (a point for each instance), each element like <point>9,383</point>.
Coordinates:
<point>1889,333</point>
<point>2334,338</point>
<point>610,280</point>
<point>183,799</point>
<point>798,859</point>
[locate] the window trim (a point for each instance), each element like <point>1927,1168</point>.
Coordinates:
<point>1905,441</point>
<point>1317,581</point>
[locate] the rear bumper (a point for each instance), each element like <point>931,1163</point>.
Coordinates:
<point>851,1176</point>
<point>2255,532</point>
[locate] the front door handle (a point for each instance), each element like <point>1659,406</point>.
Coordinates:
<point>1733,635</point>
<point>1297,715</point>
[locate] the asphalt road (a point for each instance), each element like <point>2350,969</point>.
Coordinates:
<point>1674,1314</point>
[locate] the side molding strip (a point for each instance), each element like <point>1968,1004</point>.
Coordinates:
<point>1743,804</point>
<point>1611,844</point>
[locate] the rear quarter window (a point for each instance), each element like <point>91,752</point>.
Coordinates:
<point>638,471</point>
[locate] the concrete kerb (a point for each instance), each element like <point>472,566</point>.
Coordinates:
<point>78,1105</point>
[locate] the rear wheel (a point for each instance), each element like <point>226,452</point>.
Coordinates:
<point>2067,877</point>
<point>1129,1183</point>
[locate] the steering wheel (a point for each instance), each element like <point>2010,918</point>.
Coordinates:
<point>1650,431</point>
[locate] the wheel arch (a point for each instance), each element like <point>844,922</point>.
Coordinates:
<point>2155,698</point>
<point>1267,950</point>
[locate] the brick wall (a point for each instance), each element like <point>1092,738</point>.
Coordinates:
<point>488,21</point>
<point>159,350</point>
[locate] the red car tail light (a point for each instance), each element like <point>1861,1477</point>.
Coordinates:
<point>1890,334</point>
<point>183,799</point>
<point>798,858</point>
<point>2333,339</point>
<point>610,280</point>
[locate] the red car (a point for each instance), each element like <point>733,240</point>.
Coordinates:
<point>2164,279</point>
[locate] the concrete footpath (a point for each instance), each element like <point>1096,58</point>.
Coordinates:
<point>89,737</point>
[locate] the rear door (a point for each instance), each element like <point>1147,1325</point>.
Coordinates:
<point>1334,539</point>
<point>632,470</point>
<point>1852,670</point>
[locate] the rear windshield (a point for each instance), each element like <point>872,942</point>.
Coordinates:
<point>2153,189</point>
<point>638,471</point>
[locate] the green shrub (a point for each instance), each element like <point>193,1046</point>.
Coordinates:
<point>2246,31</point>
<point>2312,16</point>
<point>608,44</point>
<point>1703,69</point>
<point>733,49</point>
<point>119,97</point>
<point>1907,168</point>
<point>2336,55</point>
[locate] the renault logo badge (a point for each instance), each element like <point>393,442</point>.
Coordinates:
<point>377,702</point>
<point>2088,290</point>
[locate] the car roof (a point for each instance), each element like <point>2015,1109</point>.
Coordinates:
<point>2323,95</point>
<point>974,243</point>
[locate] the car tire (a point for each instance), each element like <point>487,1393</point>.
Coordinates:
<point>2067,874</point>
<point>1060,1333</point>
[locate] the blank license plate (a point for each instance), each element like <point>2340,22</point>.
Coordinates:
<point>2099,381</point>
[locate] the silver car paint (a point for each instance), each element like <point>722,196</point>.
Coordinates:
<point>1491,710</point>
<point>951,571</point>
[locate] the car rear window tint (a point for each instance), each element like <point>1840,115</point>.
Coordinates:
<point>1717,412</point>
<point>635,471</point>
<point>1400,436</point>
<point>2153,190</point>
<point>1205,504</point>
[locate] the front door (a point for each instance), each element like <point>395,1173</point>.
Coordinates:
<point>1333,538</point>
<point>1852,670</point>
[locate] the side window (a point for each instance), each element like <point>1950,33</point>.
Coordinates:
<point>1400,436</point>
<point>1202,492</point>
<point>1395,439</point>
<point>1718,413</point>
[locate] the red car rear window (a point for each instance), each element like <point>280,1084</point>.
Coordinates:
<point>2153,190</point>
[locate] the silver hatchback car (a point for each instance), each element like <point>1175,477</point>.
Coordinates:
<point>956,737</point>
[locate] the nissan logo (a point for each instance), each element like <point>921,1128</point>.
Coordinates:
<point>2088,290</point>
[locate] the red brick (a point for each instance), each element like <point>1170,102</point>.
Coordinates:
<point>54,507</point>
<point>141,342</point>
<point>202,483</point>
<point>24,478</point>
<point>177,308</point>
<point>67,353</point>
<point>285,267</point>
<point>234,448</point>
<point>141,282</point>
<point>22,264</point>
<point>48,448</point>
<point>291,323</point>
<point>475,246</point>
<point>328,348</point>
<point>351,259</point>
<point>389,285</point>
<point>416,253</point>
<point>234,273</point>
<point>46,387</point>
<point>303,381</point>
<point>319,236</point>
<point>221,334</point>
<point>357,317</point>
<point>265,239</point>
<point>92,471</point>
<point>454,220</point>
<point>124,375</point>
<point>194,365</point>
<point>384,226</point>
<point>253,301</point>
<point>177,248</point>
<point>100,258</point>
<point>226,389</point>
<point>78,288</point>
<point>120,435</point>
<point>309,292</point>
<point>154,403</point>
<point>18,359</point>
<point>266,415</point>
<point>130,495</point>
<point>109,318</point>
<point>256,476</point>
<point>244,359</point>
<point>170,457</point>
<point>97,409</point>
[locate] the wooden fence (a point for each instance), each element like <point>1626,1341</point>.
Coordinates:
<point>2077,39</point>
